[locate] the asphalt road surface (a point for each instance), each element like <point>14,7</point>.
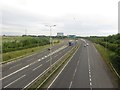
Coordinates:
<point>21,73</point>
<point>86,69</point>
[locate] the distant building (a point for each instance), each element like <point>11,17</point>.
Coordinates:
<point>71,36</point>
<point>60,34</point>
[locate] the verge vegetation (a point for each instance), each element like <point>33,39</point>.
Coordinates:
<point>109,48</point>
<point>14,47</point>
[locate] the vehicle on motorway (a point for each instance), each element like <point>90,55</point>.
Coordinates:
<point>71,43</point>
<point>87,44</point>
<point>49,49</point>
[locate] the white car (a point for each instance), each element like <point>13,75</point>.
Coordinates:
<point>87,44</point>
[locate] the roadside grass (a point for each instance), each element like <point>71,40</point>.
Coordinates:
<point>14,55</point>
<point>106,54</point>
<point>10,56</point>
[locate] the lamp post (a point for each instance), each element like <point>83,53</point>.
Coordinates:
<point>50,26</point>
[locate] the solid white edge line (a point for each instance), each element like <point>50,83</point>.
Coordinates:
<point>62,70</point>
<point>26,66</point>
<point>95,48</point>
<point>34,79</point>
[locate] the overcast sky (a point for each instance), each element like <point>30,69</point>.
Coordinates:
<point>79,17</point>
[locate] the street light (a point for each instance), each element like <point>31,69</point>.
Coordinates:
<point>50,26</point>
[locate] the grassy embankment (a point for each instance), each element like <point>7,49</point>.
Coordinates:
<point>17,47</point>
<point>10,56</point>
<point>105,53</point>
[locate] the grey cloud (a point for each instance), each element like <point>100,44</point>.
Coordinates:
<point>19,18</point>
<point>15,21</point>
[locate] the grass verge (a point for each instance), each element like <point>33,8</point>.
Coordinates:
<point>14,55</point>
<point>10,56</point>
<point>39,82</point>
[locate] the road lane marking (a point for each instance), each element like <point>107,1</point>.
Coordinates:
<point>14,81</point>
<point>74,73</point>
<point>37,67</point>
<point>34,79</point>
<point>95,48</point>
<point>45,56</point>
<point>70,84</point>
<point>75,69</point>
<point>90,84</point>
<point>90,76</point>
<point>42,57</point>
<point>63,47</point>
<point>33,63</point>
<point>20,58</point>
<point>14,72</point>
<point>39,60</point>
<point>14,66</point>
<point>89,68</point>
<point>27,66</point>
<point>61,70</point>
<point>41,74</point>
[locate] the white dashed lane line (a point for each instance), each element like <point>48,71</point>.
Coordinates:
<point>90,84</point>
<point>89,69</point>
<point>70,84</point>
<point>15,72</point>
<point>14,66</point>
<point>37,67</point>
<point>42,57</point>
<point>32,63</point>
<point>39,60</point>
<point>45,56</point>
<point>14,81</point>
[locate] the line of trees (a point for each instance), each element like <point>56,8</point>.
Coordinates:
<point>24,43</point>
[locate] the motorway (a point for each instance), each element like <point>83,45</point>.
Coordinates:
<point>22,72</point>
<point>86,69</point>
